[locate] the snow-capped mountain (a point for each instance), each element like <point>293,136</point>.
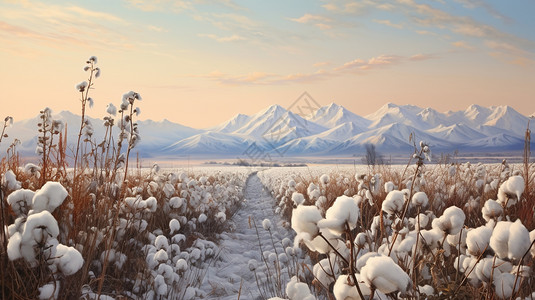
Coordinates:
<point>330,130</point>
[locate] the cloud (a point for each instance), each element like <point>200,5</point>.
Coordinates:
<point>308,18</point>
<point>462,44</point>
<point>354,67</point>
<point>156,28</point>
<point>179,6</point>
<point>388,23</point>
<point>224,39</point>
<point>58,26</point>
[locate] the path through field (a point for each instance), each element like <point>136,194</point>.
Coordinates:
<point>226,275</point>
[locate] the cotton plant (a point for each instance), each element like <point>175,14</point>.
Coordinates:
<point>34,235</point>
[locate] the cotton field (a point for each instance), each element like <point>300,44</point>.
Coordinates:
<point>427,231</point>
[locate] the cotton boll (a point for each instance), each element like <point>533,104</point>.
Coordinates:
<point>385,275</point>
<point>510,240</point>
<point>151,204</point>
<point>451,221</point>
<point>174,226</point>
<point>492,210</point>
<point>161,243</point>
<point>323,273</point>
<point>426,290</point>
<point>477,240</point>
<point>68,260</point>
<point>420,199</point>
<point>13,246</point>
<point>221,217</point>
<point>176,202</point>
<point>298,290</point>
<point>202,218</point>
<point>344,210</point>
<point>389,186</point>
<point>519,241</point>
<point>181,265</point>
<point>324,179</point>
<point>503,284</point>
<point>49,197</point>
<point>305,220</point>
<point>160,285</point>
<point>361,261</point>
<point>49,290</point>
<point>298,198</point>
<point>394,202</point>
<point>344,288</point>
<point>266,223</point>
<point>21,201</point>
<point>11,181</point>
<point>511,190</point>
<point>161,256</point>
<point>485,269</point>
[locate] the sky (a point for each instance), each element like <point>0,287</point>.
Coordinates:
<point>200,62</point>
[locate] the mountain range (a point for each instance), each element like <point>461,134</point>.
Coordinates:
<point>331,130</point>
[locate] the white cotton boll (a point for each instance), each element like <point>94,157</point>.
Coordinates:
<point>361,261</point>
<point>361,240</point>
<point>291,184</point>
<point>344,210</point>
<point>68,260</point>
<point>394,202</point>
<point>298,198</point>
<point>161,243</point>
<point>430,238</point>
<point>11,181</point>
<point>305,220</point>
<point>420,199</point>
<point>389,186</point>
<point>518,241</point>
<point>405,246</point>
<point>49,290</point>
<point>13,246</point>
<point>160,285</point>
<point>221,217</point>
<point>152,204</point>
<point>168,190</point>
<point>181,265</point>
<point>49,197</point>
<point>174,226</point>
<point>451,221</point>
<point>266,224</point>
<point>501,236</point>
<point>458,240</point>
<point>477,240</point>
<point>426,290</point>
<point>324,179</point>
<point>177,238</point>
<point>298,290</point>
<point>176,202</point>
<point>111,109</point>
<point>195,254</point>
<point>504,283</point>
<point>385,275</point>
<point>38,226</point>
<point>161,256</point>
<point>323,273</point>
<point>252,264</point>
<point>492,210</point>
<point>344,288</point>
<point>511,190</point>
<point>21,201</point>
<point>202,218</point>
<point>485,269</point>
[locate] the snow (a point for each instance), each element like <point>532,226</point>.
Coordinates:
<point>331,128</point>
<point>241,256</point>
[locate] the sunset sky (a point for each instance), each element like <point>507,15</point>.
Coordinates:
<point>200,62</point>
